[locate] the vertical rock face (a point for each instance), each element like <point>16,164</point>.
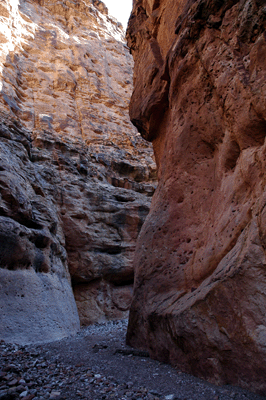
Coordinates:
<point>76,178</point>
<point>199,96</point>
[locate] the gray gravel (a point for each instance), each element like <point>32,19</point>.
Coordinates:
<point>96,364</point>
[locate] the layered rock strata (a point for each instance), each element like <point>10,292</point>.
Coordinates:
<point>199,96</point>
<point>76,178</point>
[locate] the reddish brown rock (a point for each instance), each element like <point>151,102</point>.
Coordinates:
<point>199,96</point>
<point>103,300</point>
<point>76,178</point>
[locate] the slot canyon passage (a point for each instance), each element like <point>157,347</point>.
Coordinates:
<point>76,178</point>
<point>77,182</point>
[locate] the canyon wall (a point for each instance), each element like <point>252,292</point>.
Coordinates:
<point>76,178</point>
<point>200,268</point>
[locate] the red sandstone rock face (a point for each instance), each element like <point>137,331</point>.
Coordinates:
<point>76,179</point>
<point>199,96</point>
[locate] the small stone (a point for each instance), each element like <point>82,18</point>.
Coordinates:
<point>13,382</point>
<point>23,394</point>
<point>169,397</point>
<point>55,395</point>
<point>21,388</point>
<point>8,377</point>
<point>12,390</point>
<point>3,394</point>
<point>154,392</point>
<point>29,397</point>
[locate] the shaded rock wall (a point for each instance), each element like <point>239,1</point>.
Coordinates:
<point>36,299</point>
<point>76,178</point>
<point>199,96</point>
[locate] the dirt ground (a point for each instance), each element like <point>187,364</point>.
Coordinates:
<point>96,364</point>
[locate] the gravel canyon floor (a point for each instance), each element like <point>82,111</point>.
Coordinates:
<point>96,364</point>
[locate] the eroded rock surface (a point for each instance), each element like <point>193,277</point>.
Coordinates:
<point>199,96</point>
<point>36,299</point>
<point>76,178</point>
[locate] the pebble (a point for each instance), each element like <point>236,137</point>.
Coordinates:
<point>13,382</point>
<point>55,395</point>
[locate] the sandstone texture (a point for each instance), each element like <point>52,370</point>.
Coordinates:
<point>76,178</point>
<point>199,96</point>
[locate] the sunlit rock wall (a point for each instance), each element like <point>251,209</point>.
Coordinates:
<point>76,178</point>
